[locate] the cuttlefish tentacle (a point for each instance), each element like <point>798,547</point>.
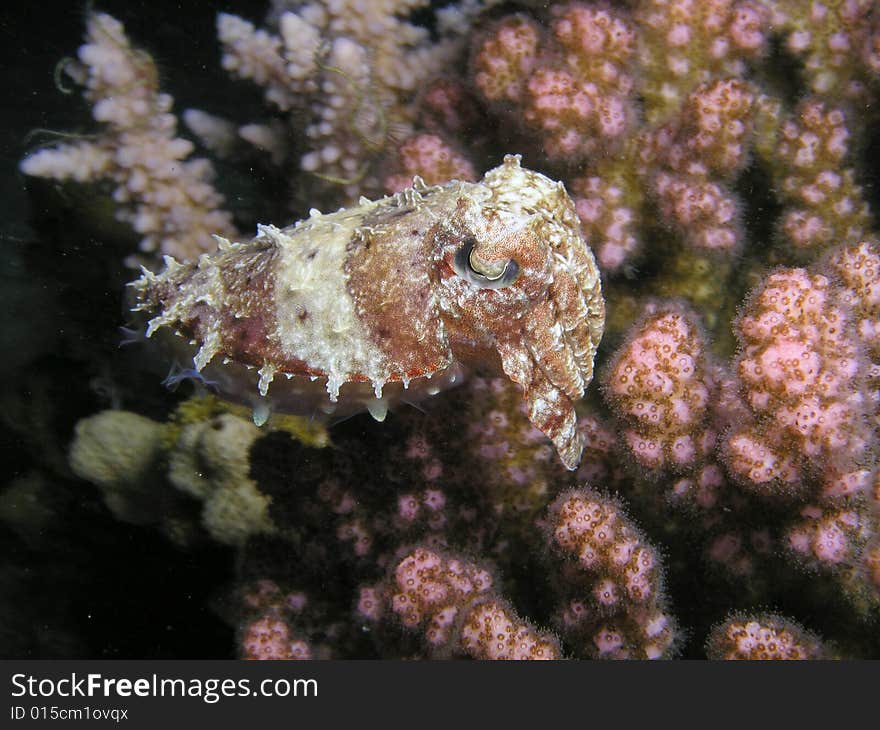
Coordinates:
<point>546,361</point>
<point>550,346</point>
<point>550,409</point>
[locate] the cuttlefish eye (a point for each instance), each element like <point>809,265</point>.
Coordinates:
<point>483,274</point>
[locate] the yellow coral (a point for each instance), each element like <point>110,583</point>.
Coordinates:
<point>211,462</point>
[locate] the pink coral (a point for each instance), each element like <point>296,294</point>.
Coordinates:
<point>431,158</point>
<point>763,637</point>
<point>492,631</point>
<point>447,106</point>
<point>872,564</point>
<point>574,120</point>
<point>562,107</point>
<point>504,57</point>
<point>826,205</point>
<point>583,106</point>
<point>717,121</point>
<point>429,589</point>
<point>370,603</point>
<point>736,553</point>
<point>829,38</point>
<point>686,42</point>
<point>802,375</point>
<point>616,606</point>
<point>659,383</point>
<point>858,267</point>
<point>608,214</point>
<point>453,603</point>
<point>592,530</point>
<point>268,638</point>
<point>828,537</point>
<point>701,208</point>
<point>690,163</point>
<point>573,88</point>
<point>597,40</point>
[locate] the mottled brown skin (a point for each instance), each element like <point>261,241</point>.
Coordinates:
<point>388,279</point>
<point>247,318</point>
<point>248,324</point>
<point>394,284</point>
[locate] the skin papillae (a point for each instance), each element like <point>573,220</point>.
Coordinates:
<point>396,298</point>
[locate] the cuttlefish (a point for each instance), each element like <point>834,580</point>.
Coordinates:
<point>396,299</point>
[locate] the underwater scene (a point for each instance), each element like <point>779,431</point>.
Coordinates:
<point>424,329</point>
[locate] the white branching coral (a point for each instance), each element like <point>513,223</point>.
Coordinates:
<point>352,66</point>
<point>167,198</point>
<point>341,76</point>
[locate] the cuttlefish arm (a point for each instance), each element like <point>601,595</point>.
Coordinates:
<point>550,387</point>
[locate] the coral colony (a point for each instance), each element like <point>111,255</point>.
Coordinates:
<point>712,494</point>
